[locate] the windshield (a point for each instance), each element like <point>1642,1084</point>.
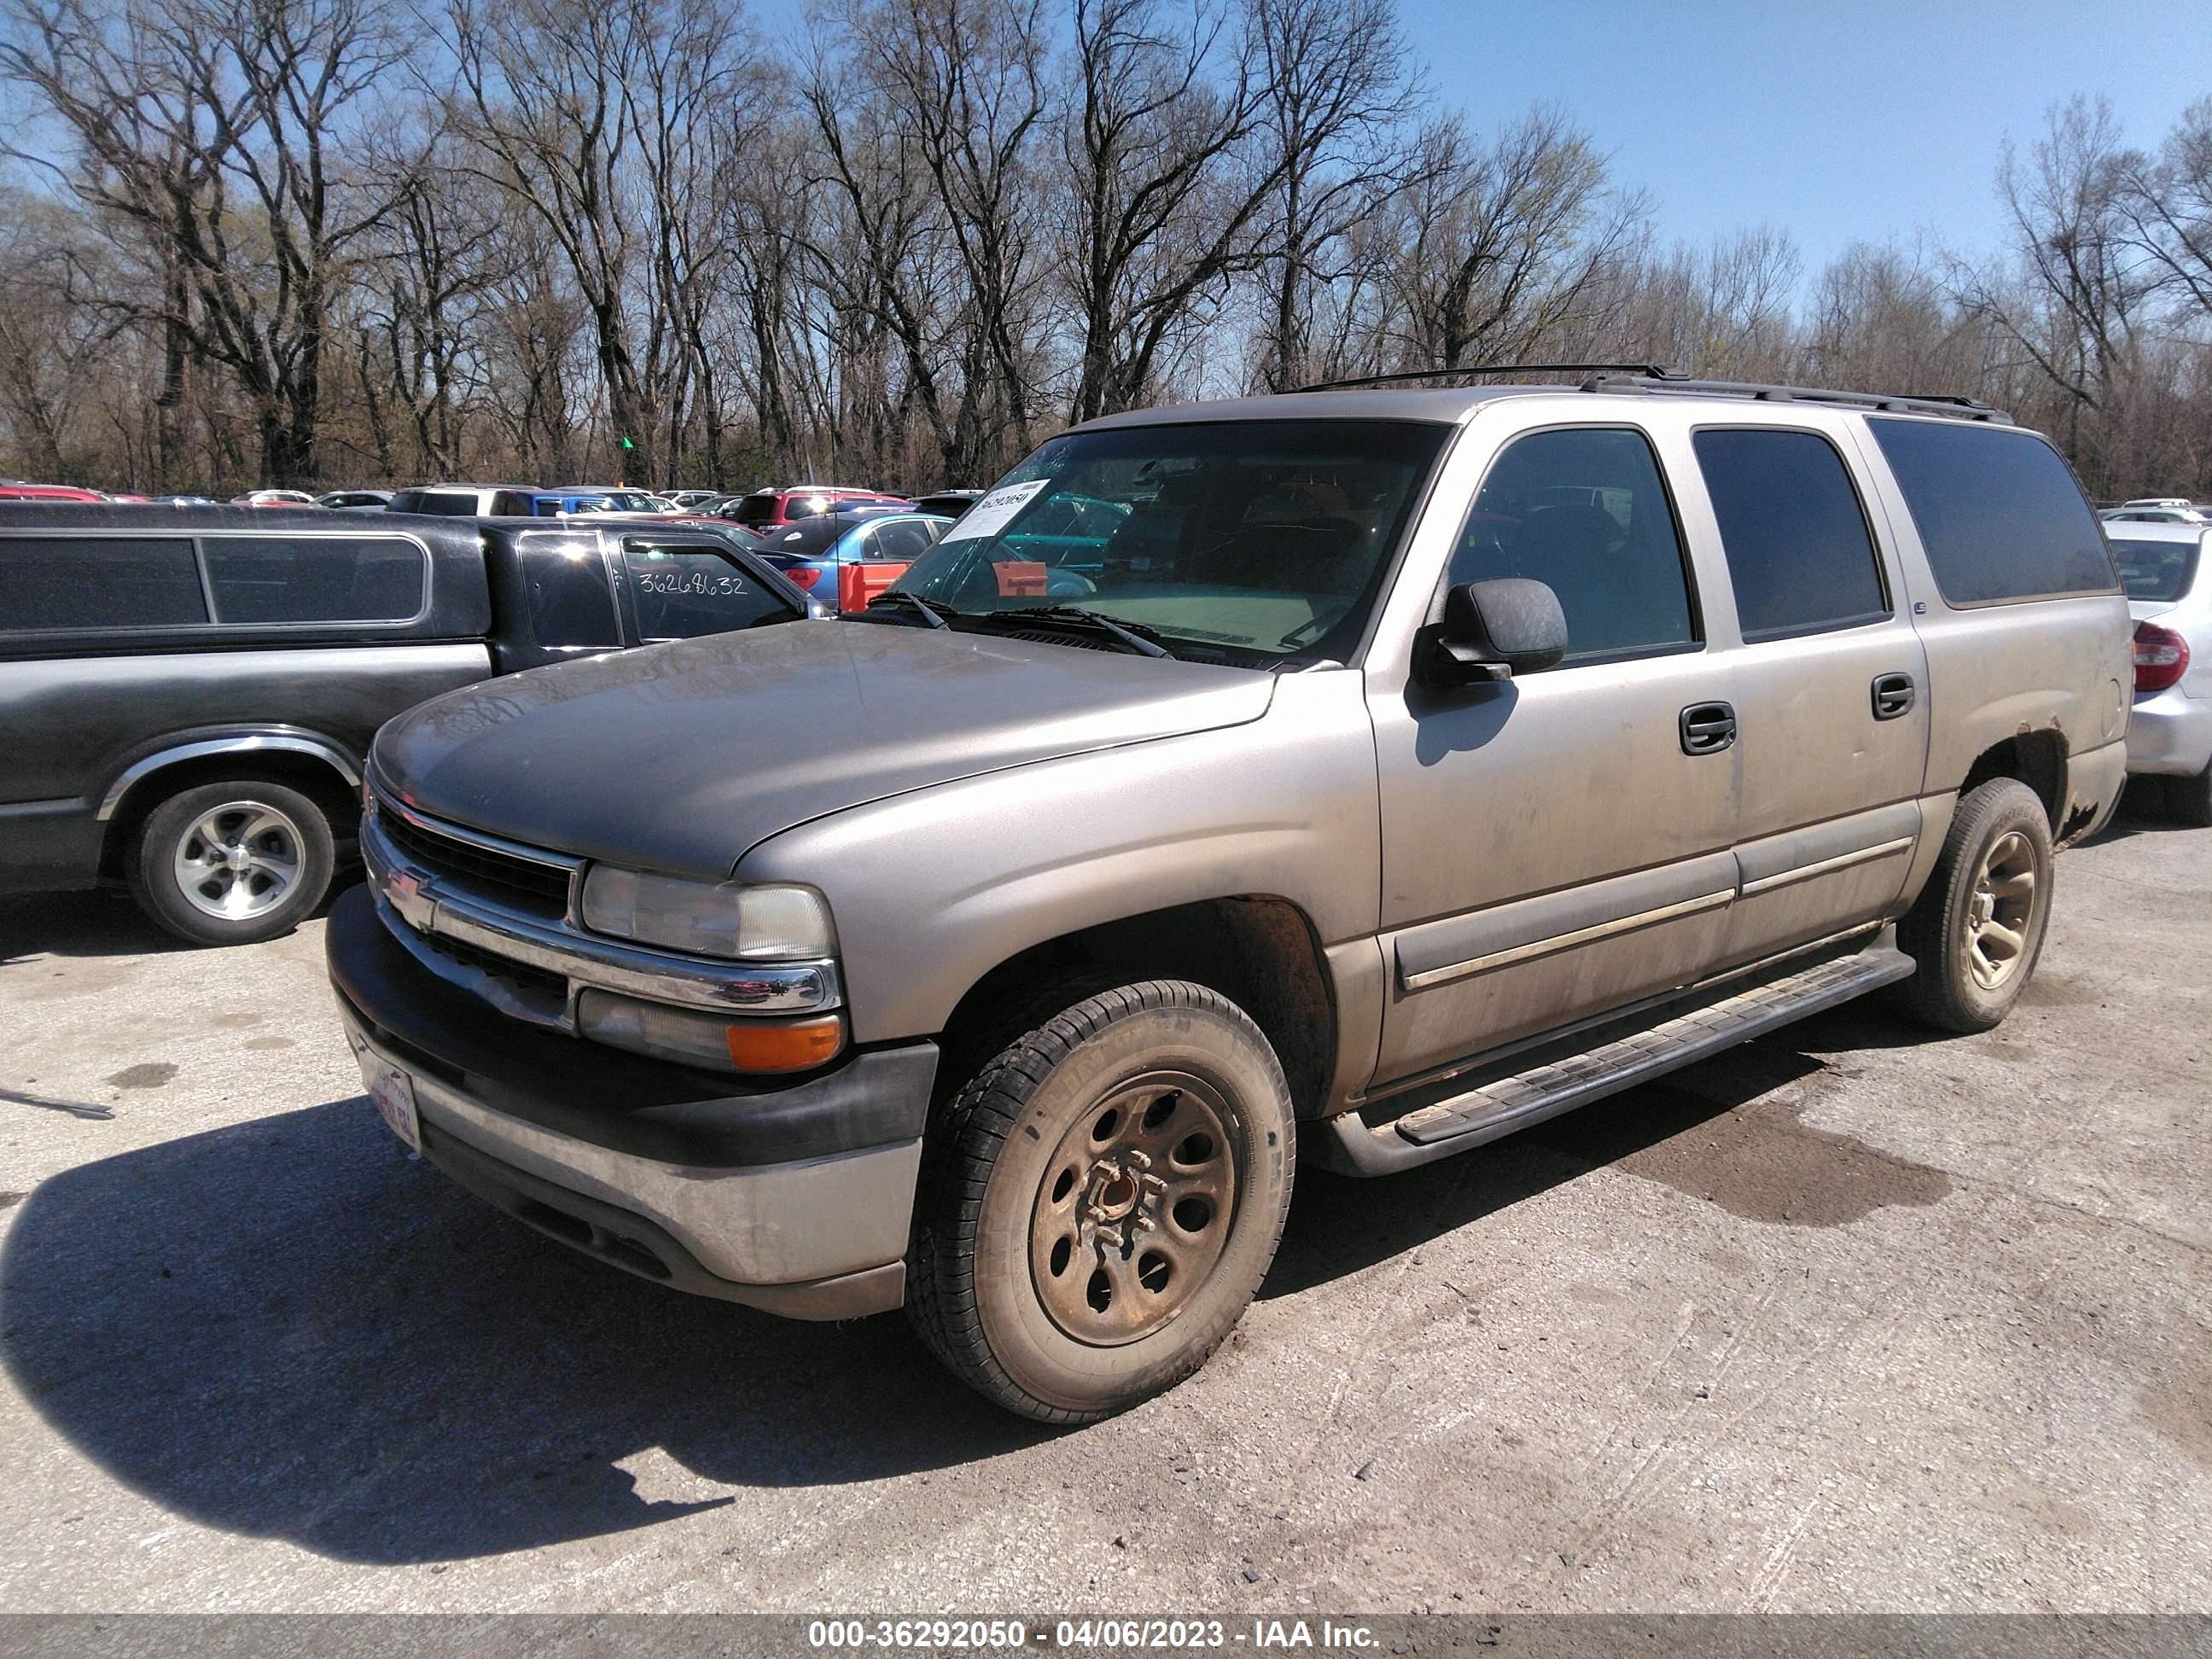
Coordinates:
<point>2156,570</point>
<point>1229,540</point>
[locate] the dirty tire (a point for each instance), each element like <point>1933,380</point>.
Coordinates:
<point>2002,819</point>
<point>982,1289</point>
<point>293,841</point>
<point>2190,799</point>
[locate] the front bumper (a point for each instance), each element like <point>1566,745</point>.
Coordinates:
<point>795,1198</point>
<point>2170,734</point>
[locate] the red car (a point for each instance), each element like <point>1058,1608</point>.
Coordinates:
<point>764,508</point>
<point>31,492</point>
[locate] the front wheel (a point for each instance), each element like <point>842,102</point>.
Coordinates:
<point>232,863</point>
<point>1977,929</point>
<point>1101,1200</point>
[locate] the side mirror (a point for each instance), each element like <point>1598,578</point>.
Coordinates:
<point>1493,630</point>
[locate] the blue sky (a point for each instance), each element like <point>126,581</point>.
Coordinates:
<point>1847,120</point>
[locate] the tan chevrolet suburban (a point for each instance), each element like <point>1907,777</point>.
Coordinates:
<point>1359,775</point>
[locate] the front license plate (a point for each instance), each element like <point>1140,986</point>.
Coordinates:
<point>393,1092</point>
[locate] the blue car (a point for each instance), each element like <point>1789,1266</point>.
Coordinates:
<point>846,559</point>
<point>579,498</point>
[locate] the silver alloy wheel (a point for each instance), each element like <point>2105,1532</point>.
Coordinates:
<point>238,861</point>
<point>1999,915</point>
<point>1135,1208</point>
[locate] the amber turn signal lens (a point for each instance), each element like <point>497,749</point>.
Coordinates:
<point>785,1046</point>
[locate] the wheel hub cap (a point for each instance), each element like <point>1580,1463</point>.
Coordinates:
<point>1134,1209</point>
<point>238,860</point>
<point>2001,914</point>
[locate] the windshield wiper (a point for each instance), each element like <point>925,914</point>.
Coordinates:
<point>930,610</point>
<point>1134,636</point>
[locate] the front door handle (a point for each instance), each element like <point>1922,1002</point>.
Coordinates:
<point>1707,728</point>
<point>1892,697</point>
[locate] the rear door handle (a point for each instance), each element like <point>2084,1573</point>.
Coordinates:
<point>1892,697</point>
<point>1707,728</point>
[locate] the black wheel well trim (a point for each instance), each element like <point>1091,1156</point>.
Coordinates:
<point>2036,759</point>
<point>1259,950</point>
<point>318,765</point>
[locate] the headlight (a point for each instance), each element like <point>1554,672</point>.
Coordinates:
<point>715,919</point>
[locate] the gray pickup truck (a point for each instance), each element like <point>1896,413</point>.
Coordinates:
<point>1360,775</point>
<point>186,694</point>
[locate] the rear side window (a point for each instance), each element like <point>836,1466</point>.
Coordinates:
<point>320,578</point>
<point>570,603</point>
<point>103,581</point>
<point>1584,510</point>
<point>681,592</point>
<point>1998,511</point>
<point>1796,537</point>
<point>756,509</point>
<point>901,542</point>
<point>445,504</point>
<point>2157,570</point>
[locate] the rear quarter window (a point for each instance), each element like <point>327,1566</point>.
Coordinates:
<point>51,582</point>
<point>315,579</point>
<point>1998,511</point>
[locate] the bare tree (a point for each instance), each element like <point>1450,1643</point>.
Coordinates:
<point>1337,92</point>
<point>211,131</point>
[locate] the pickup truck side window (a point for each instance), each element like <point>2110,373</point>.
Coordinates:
<point>681,592</point>
<point>1799,555</point>
<point>570,603</point>
<point>99,581</point>
<point>1998,510</point>
<point>315,579</point>
<point>1585,510</point>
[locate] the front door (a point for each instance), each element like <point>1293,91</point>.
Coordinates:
<point>1561,843</point>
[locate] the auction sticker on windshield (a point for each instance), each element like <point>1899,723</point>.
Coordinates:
<point>393,1092</point>
<point>995,512</point>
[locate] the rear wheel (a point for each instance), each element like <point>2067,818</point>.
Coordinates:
<point>231,862</point>
<point>1977,928</point>
<point>1101,1200</point>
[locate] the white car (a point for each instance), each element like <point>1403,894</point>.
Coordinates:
<point>2164,567</point>
<point>2154,512</point>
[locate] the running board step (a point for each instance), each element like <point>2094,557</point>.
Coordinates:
<point>1503,1104</point>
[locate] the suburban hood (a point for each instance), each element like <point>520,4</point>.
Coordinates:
<point>679,757</point>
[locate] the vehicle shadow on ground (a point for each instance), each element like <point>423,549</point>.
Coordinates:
<point>102,923</point>
<point>1340,1224</point>
<point>286,1328</point>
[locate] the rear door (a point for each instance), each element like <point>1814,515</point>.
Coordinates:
<point>1831,683</point>
<point>877,557</point>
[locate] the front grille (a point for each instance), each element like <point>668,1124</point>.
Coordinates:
<point>521,975</point>
<point>542,890</point>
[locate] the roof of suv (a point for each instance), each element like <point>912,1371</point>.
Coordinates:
<point>1450,405</point>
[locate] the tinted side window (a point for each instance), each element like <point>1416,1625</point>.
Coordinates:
<point>445,504</point>
<point>901,542</point>
<point>756,509</point>
<point>1798,553</point>
<point>680,593</point>
<point>1998,511</point>
<point>1585,510</point>
<point>318,578</point>
<point>97,582</point>
<point>570,603</point>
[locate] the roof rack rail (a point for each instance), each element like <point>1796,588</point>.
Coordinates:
<point>1657,377</point>
<point>1656,370</point>
<point>1956,408</point>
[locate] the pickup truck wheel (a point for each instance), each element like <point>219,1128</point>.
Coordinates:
<point>1100,1201</point>
<point>233,862</point>
<point>1977,929</point>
